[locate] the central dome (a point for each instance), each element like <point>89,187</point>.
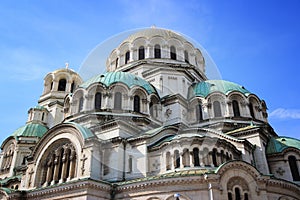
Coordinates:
<point>155,32</point>
<point>155,45</point>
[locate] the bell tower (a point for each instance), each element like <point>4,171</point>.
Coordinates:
<point>57,85</point>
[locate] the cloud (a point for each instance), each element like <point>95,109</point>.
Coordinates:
<point>282,113</point>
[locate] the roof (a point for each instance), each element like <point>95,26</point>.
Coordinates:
<point>126,78</point>
<point>86,133</point>
<point>31,130</point>
<point>205,88</point>
<point>277,145</point>
<point>154,32</point>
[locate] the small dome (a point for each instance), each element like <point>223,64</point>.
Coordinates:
<point>31,130</point>
<point>277,145</point>
<point>205,88</point>
<point>126,78</point>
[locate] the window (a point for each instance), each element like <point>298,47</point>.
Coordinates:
<point>196,157</point>
<point>62,85</point>
<point>7,158</point>
<point>136,103</point>
<point>98,98</point>
<point>294,168</point>
<point>217,109</point>
<point>173,55</point>
<point>237,194</point>
<point>72,87</point>
<point>186,56</point>
<point>127,57</point>
<point>214,157</point>
<point>118,101</point>
<point>106,161</point>
<point>199,114</point>
<point>157,51</point>
<point>130,164</point>
<point>251,110</point>
<point>141,53</point>
<point>43,116</point>
<point>80,107</point>
<point>177,159</point>
<point>236,108</point>
<point>229,196</point>
<point>168,161</point>
<point>59,165</point>
<point>117,63</point>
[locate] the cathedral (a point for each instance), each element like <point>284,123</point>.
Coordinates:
<point>152,127</point>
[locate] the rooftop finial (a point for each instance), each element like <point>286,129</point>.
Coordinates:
<point>67,65</point>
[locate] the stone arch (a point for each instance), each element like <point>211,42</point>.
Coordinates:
<point>239,174</point>
<point>57,137</point>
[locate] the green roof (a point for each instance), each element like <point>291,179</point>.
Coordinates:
<point>205,88</point>
<point>277,145</point>
<point>126,78</point>
<point>31,130</point>
<point>86,133</point>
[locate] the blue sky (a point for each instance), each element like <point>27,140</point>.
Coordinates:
<point>253,43</point>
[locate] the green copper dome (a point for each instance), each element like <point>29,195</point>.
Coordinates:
<point>126,78</point>
<point>277,145</point>
<point>205,88</point>
<point>31,130</point>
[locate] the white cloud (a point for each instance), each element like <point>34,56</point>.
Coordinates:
<point>283,113</point>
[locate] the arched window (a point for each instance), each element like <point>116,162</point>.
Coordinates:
<point>251,110</point>
<point>62,85</point>
<point>118,101</point>
<point>236,108</point>
<point>72,87</point>
<point>59,165</point>
<point>117,63</point>
<point>230,196</point>
<point>7,158</point>
<point>141,53</point>
<point>196,157</point>
<point>173,55</point>
<point>157,51</point>
<point>136,103</point>
<point>294,168</point>
<point>199,113</point>
<point>176,159</point>
<point>98,98</point>
<point>237,194</point>
<point>217,109</point>
<point>186,56</point>
<point>127,57</point>
<point>168,161</point>
<point>214,157</point>
<point>246,197</point>
<point>51,86</point>
<point>80,106</point>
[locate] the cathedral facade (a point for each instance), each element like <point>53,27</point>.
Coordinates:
<point>152,127</point>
